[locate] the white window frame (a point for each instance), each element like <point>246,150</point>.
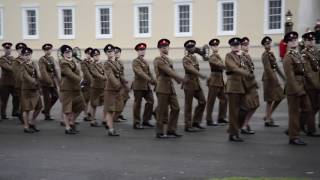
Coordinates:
<point>136,27</point>
<point>220,30</point>
<point>2,23</point>
<point>25,23</point>
<point>266,19</point>
<point>177,21</point>
<point>60,22</point>
<point>98,23</point>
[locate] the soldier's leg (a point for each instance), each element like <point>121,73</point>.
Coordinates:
<point>210,103</point>
<point>234,108</point>
<point>188,98</point>
<point>148,108</point>
<point>16,103</point>
<point>174,113</point>
<point>46,100</point>
<point>162,112</point>
<point>198,113</point>
<point>54,97</point>
<point>309,109</point>
<point>5,92</point>
<point>138,95</point>
<point>223,104</point>
<point>294,116</point>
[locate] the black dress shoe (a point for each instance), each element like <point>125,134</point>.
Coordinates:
<point>246,131</point>
<point>174,135</point>
<point>312,134</point>
<point>48,118</point>
<point>297,141</point>
<point>147,124</point>
<point>113,133</point>
<point>15,114</point>
<point>223,121</point>
<point>235,138</point>
<point>270,124</point>
<point>33,127</point>
<point>69,131</point>
<point>161,136</point>
<point>74,128</point>
<point>137,126</point>
<point>4,117</point>
<point>86,119</point>
<point>212,124</point>
<point>286,132</point>
<point>196,125</point>
<point>190,129</point>
<point>62,123</point>
<point>28,130</point>
<point>122,117</point>
<point>95,124</point>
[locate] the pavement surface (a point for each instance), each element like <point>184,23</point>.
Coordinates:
<point>138,155</point>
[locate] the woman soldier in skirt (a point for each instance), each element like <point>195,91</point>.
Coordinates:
<point>31,103</point>
<point>70,90</point>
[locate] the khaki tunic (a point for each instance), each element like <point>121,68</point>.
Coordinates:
<point>97,84</point>
<point>70,91</point>
<point>86,79</point>
<point>30,94</point>
<point>272,89</point>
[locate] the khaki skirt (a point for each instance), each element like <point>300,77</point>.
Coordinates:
<point>113,101</point>
<point>272,92</point>
<point>72,101</point>
<point>251,100</point>
<point>86,94</point>
<point>30,100</point>
<point>96,96</point>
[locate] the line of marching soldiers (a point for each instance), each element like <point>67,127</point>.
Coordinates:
<point>87,84</point>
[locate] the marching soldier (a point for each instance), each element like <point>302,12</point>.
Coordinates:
<point>113,102</point>
<point>85,85</point>
<point>16,67</point>
<point>216,86</point>
<point>192,89</point>
<point>272,90</point>
<point>7,81</point>
<point>312,66</point>
<point>97,85</point>
<point>166,94</point>
<point>235,70</point>
<point>31,104</point>
<point>141,85</point>
<point>48,84</point>
<point>124,91</point>
<point>298,101</point>
<point>70,90</point>
<point>251,99</point>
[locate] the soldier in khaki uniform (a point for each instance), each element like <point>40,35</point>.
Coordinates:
<point>272,90</point>
<point>166,94</point>
<point>235,70</point>
<point>113,101</point>
<point>312,66</point>
<point>298,100</point>
<point>31,103</point>
<point>16,67</point>
<point>48,83</point>
<point>97,85</point>
<point>192,89</point>
<point>251,99</point>
<point>85,85</point>
<point>125,90</point>
<point>216,86</point>
<point>70,90</point>
<point>7,81</point>
<point>141,85</point>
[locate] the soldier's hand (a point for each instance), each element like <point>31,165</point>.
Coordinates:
<point>204,77</point>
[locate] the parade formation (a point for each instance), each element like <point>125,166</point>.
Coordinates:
<point>83,85</point>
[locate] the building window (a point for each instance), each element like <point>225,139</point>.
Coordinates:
<point>1,23</point>
<point>274,16</point>
<point>227,13</point>
<point>183,18</point>
<point>66,22</point>
<point>103,22</point>
<point>142,20</point>
<point>30,23</point>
